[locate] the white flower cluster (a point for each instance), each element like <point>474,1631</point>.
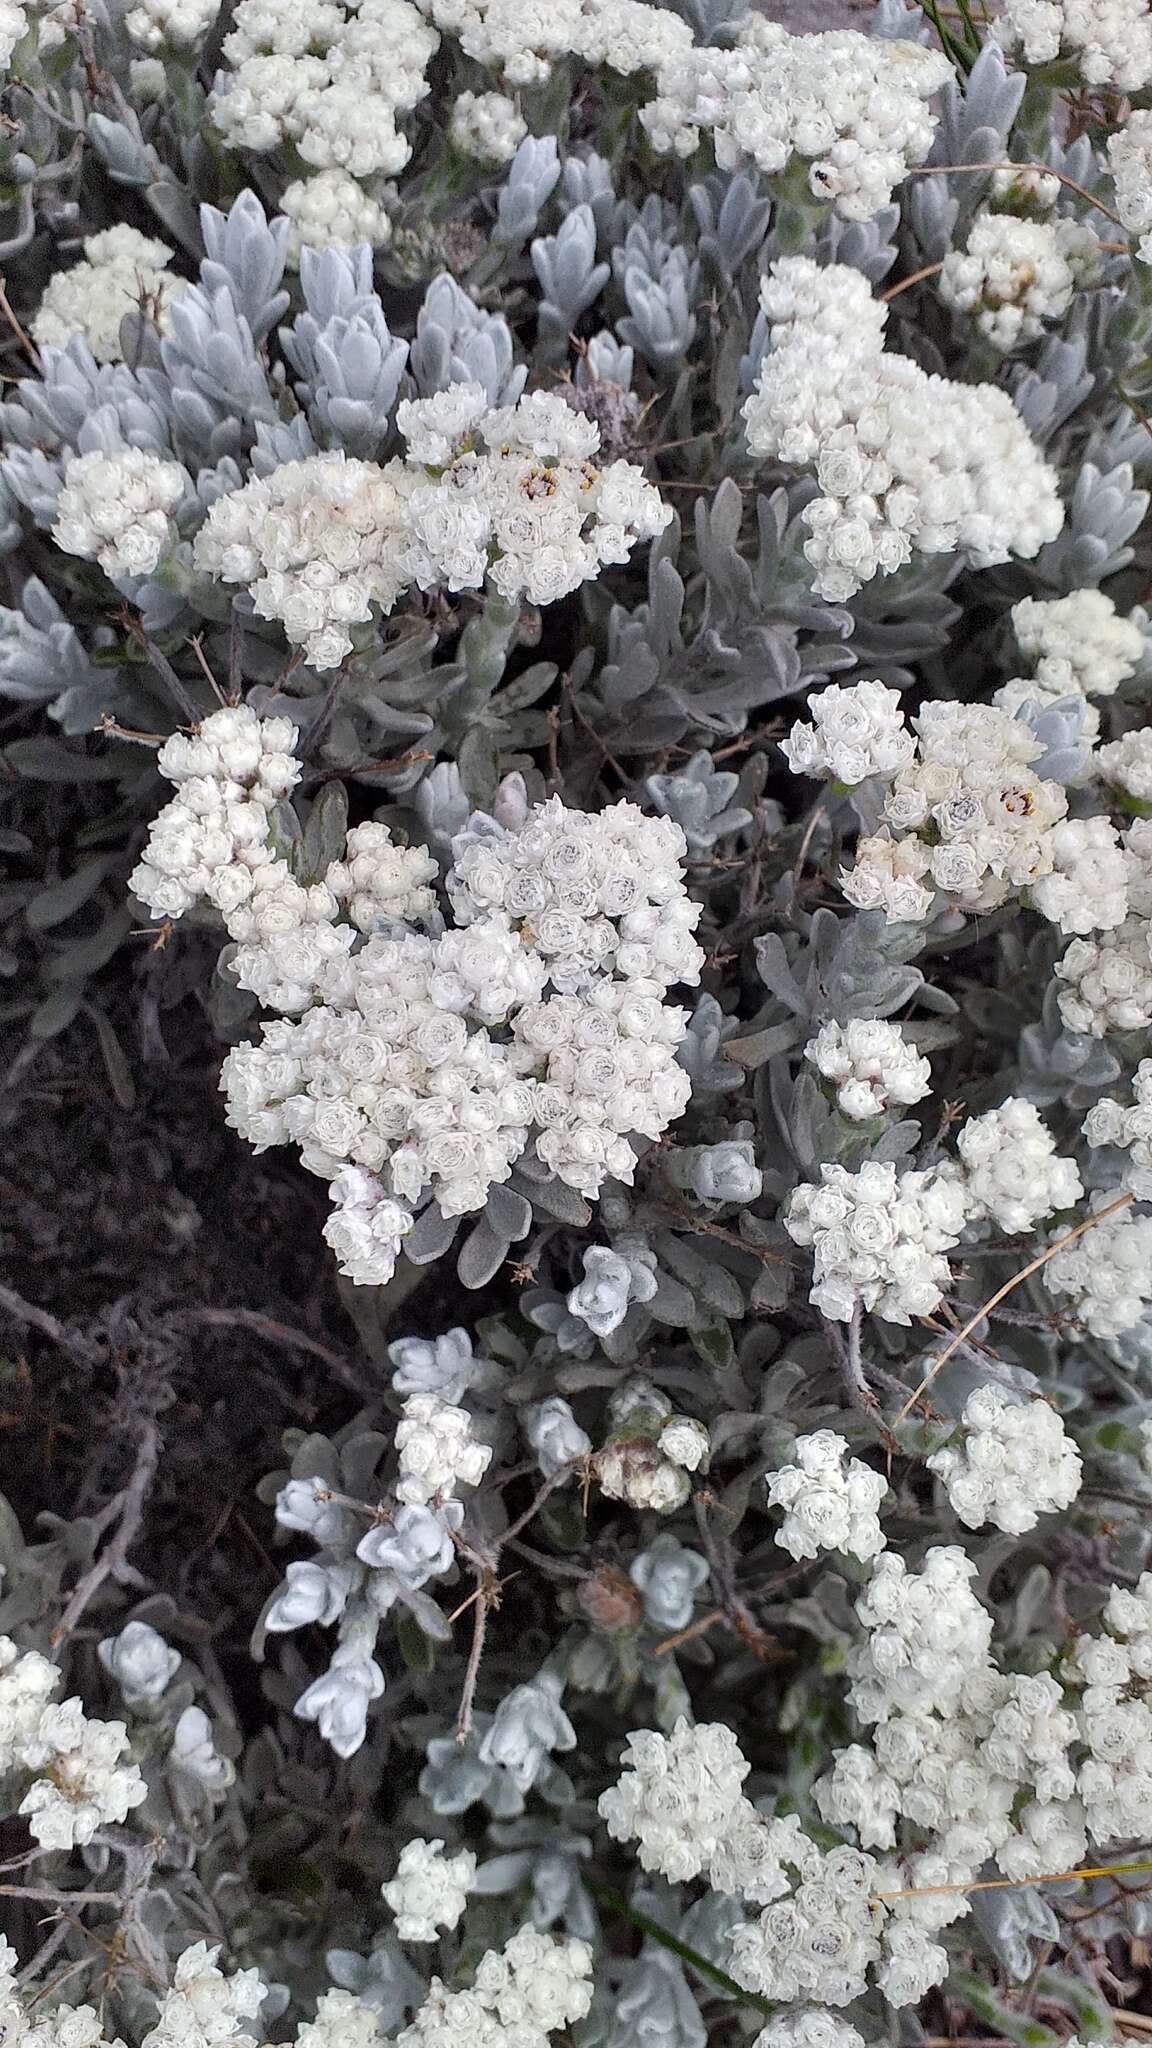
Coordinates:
<point>430,1890</point>
<point>121,269</point>
<point>679,1798</point>
<point>643,1473</point>
<point>956,1747</point>
<point>1014,276</point>
<point>317,542</point>
<point>522,39</point>
<point>1111,40</point>
<point>969,819</point>
<point>828,1504</point>
<point>1130,162</point>
<point>393,1070</point>
<point>13,29</point>
<point>1109,1122</point>
<point>437,1451</point>
<point>1077,644</point>
<point>871,1065</point>
<point>1126,764</point>
<point>512,496</point>
<point>906,462</point>
<point>331,208</point>
<point>878,1238</point>
<point>853,106</point>
<point>170,24</point>
<point>201,2009</point>
<point>487,126</point>
<point>376,880</point>
<point>1012,1170</point>
<point>328,79</point>
<point>204,2006</point>
<point>1109,980</point>
<point>591,893</point>
<point>117,509</point>
<point>520,1993</point>
<point>808,2027</point>
<point>824,1925</point>
<point>79,1781</point>
<point>1013,1464</point>
<point>855,732</point>
<point>1115,1779</point>
<point>1107,1272</point>
<point>215,832</point>
<point>924,1634</point>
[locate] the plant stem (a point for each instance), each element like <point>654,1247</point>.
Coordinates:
<point>605,1896</point>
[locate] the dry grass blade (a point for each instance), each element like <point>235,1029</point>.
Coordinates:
<point>954,1343</point>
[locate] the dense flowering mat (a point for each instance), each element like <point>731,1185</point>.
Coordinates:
<point>574,629</point>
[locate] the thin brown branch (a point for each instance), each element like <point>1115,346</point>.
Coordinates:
<point>1049,171</point>
<point>1033,1266</point>
<point>906,283</point>
<point>276,1333</point>
<point>131,1513</point>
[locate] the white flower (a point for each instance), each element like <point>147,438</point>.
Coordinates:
<point>871,1065</point>
<point>1109,1122</point>
<point>430,1890</point>
<point>808,2028</point>
<point>331,209</point>
<point>678,1798</point>
<point>205,2007</point>
<point>437,1450</point>
<point>925,1634</point>
<point>1014,275</point>
<point>488,126</point>
<point>588,891</point>
<point>1111,43</point>
<point>178,24</point>
<point>1130,162</point>
<point>685,1441</point>
<point>1108,981</point>
<point>13,29</point>
<point>121,269</point>
<point>637,1471</point>
<point>333,86</point>
<point>828,1505</point>
<point>1014,1463</point>
<point>1078,642</point>
<point>820,1941</point>
<point>521,38</point>
<point>140,1661</point>
<point>85,1784</point>
<point>27,1683</point>
<point>116,509</point>
<point>855,732</point>
<point>850,105</point>
<point>612,1281</point>
<point>1107,1271</point>
<point>1086,889</point>
<point>1127,763</point>
<point>1013,1172</point>
<point>318,543</point>
<point>379,880</point>
<point>878,1238</point>
<point>905,461</point>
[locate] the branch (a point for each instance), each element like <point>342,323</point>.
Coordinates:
<point>1034,1265</point>
<point>115,1551</point>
